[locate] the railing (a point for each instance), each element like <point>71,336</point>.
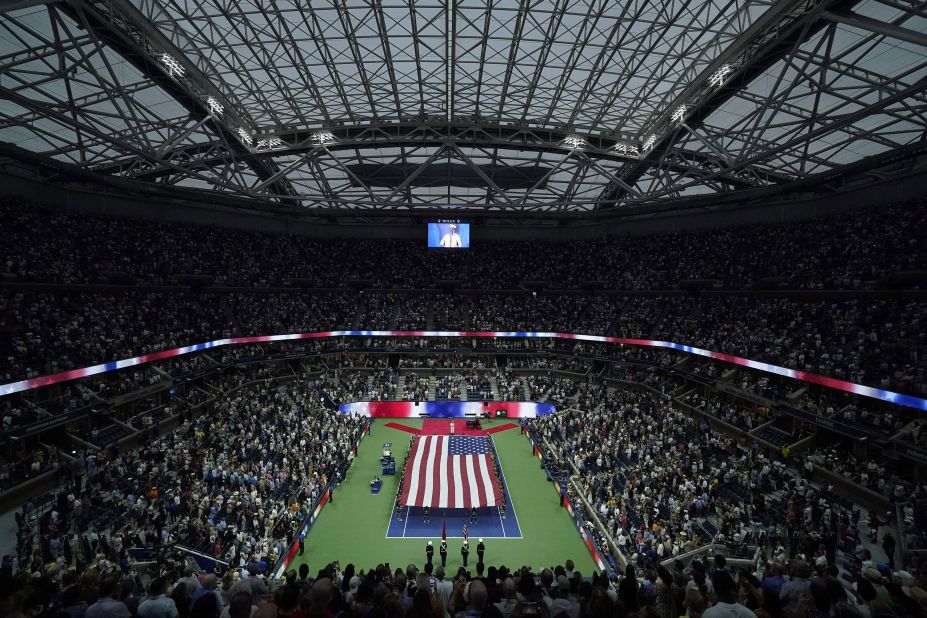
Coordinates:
<point>911,557</point>
<point>312,514</point>
<point>804,376</point>
<point>600,560</point>
<point>902,448</point>
<point>204,561</point>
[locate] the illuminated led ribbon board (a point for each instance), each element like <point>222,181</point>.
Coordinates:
<point>909,401</point>
<point>446,409</point>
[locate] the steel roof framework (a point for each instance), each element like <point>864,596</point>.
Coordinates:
<point>602,104</point>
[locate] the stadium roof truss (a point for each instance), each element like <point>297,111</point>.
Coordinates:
<point>502,106</point>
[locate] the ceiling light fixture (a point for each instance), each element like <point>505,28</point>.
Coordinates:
<point>244,136</point>
<point>269,143</point>
<point>626,149</point>
<point>214,106</point>
<point>649,143</point>
<point>718,77</point>
<point>173,67</point>
<point>574,142</point>
<point>679,114</point>
<point>324,137</point>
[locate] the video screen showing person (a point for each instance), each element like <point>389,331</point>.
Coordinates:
<point>448,235</point>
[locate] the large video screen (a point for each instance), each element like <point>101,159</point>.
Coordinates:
<point>448,234</point>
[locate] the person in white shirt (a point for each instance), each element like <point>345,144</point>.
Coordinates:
<point>451,239</point>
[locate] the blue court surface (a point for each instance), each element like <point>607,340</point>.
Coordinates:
<point>489,523</point>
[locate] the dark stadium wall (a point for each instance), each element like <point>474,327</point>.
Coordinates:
<point>17,180</point>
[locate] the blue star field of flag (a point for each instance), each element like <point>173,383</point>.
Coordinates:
<point>468,445</point>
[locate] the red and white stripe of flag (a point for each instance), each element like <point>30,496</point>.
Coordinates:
<point>437,479</point>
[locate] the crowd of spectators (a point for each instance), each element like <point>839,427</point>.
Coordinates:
<point>558,363</point>
<point>415,387</point>
<point>728,409</point>
<point>519,377</point>
<point>844,408</point>
<point>233,484</point>
<point>547,388</point>
<point>50,332</point>
<point>22,465</point>
<point>878,343</point>
<point>479,388</point>
<point>447,387</point>
<point>709,589</point>
<point>875,342</point>
<point>661,480</point>
<point>51,245</point>
<point>870,472</point>
<point>527,378</point>
<point>510,386</point>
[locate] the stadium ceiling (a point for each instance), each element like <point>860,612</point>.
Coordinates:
<point>495,106</point>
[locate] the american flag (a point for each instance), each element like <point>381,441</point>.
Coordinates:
<point>453,472</point>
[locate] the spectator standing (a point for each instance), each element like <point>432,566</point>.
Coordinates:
<point>727,605</point>
<point>158,604</point>
<point>107,606</point>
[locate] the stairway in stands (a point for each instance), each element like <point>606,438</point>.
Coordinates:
<point>525,389</point>
<point>370,386</point>
<point>463,389</point>
<point>494,387</point>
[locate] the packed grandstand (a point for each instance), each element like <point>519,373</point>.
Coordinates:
<point>430,309</point>
<point>667,459</point>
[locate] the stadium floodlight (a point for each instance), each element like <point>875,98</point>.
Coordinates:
<point>718,77</point>
<point>323,137</point>
<point>679,114</point>
<point>244,136</point>
<point>269,143</point>
<point>649,143</point>
<point>173,67</point>
<point>214,106</point>
<point>626,149</point>
<point>574,142</point>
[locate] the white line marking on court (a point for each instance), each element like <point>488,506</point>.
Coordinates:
<point>512,500</point>
<point>485,536</point>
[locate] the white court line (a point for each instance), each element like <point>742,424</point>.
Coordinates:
<point>504,535</point>
<point>389,523</point>
<point>512,500</point>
